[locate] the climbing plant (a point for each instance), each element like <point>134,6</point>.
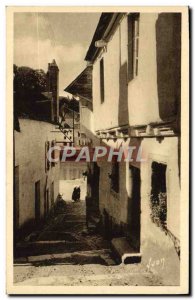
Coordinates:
<point>158,205</point>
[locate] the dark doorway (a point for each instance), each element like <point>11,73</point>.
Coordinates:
<point>95,187</point>
<point>46,206</point>
<point>37,200</point>
<point>135,208</point>
<point>92,199</point>
<point>52,194</point>
<point>107,226</point>
<point>16,198</point>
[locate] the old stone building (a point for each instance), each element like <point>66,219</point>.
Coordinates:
<point>36,180</point>
<point>130,96</point>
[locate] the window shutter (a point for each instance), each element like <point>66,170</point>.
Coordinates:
<point>47,162</point>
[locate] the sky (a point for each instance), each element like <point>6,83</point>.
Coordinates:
<point>41,37</point>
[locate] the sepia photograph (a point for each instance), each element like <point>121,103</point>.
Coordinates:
<point>97,150</point>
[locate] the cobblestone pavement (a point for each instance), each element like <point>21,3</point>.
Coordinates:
<point>65,253</point>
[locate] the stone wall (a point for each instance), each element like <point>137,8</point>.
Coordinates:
<point>30,159</point>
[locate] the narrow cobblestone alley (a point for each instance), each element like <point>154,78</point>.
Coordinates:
<point>65,253</point>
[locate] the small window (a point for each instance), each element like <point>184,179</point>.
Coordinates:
<point>115,176</point>
<point>47,162</point>
<point>102,80</point>
<point>158,198</point>
<point>133,45</point>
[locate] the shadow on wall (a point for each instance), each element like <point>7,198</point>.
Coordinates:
<point>123,113</point>
<point>168,51</point>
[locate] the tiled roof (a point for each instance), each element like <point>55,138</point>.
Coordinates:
<point>82,85</point>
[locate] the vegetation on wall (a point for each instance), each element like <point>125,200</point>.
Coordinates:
<point>31,99</point>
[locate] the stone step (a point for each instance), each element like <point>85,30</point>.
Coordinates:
<point>56,236</point>
<point>77,280</point>
<point>123,252</point>
<point>49,247</point>
<point>77,257</point>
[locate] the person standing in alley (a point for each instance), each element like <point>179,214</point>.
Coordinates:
<point>78,193</point>
<point>74,194</point>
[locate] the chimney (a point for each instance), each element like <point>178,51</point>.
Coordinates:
<point>53,87</point>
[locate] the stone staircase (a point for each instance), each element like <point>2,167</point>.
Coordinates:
<point>102,257</point>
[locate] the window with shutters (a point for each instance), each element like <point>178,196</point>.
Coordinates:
<point>133,45</point>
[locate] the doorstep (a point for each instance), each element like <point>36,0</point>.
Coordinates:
<point>123,252</point>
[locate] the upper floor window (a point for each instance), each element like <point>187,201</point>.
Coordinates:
<point>133,45</point>
<point>53,154</point>
<point>102,80</point>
